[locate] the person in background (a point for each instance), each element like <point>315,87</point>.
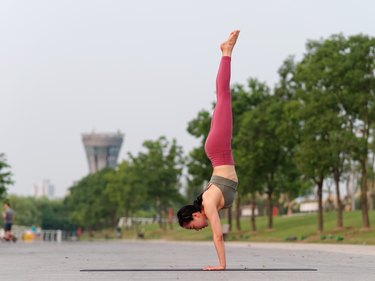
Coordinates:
<point>8,218</point>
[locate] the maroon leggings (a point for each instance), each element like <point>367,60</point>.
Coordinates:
<point>218,144</point>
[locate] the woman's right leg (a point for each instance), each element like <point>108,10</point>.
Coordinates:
<point>218,143</point>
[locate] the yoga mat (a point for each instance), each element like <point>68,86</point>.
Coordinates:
<point>195,269</point>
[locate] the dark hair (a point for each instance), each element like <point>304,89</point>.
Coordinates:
<point>185,214</point>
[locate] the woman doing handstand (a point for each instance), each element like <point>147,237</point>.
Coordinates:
<point>220,191</point>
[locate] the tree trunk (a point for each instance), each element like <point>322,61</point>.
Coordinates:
<point>253,206</point>
<point>161,219</point>
<point>336,176</point>
<point>320,203</point>
<point>230,218</point>
<point>160,214</point>
<point>350,186</point>
<point>238,213</point>
<point>270,208</point>
<point>289,211</point>
<point>364,206</point>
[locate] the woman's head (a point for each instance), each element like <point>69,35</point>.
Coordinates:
<point>191,217</point>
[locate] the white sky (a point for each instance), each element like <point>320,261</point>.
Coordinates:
<point>142,67</point>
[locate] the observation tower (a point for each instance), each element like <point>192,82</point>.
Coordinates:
<point>102,149</point>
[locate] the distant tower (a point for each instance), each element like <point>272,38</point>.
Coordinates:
<point>102,150</point>
<point>44,189</point>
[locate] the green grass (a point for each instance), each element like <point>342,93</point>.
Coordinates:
<point>303,227</point>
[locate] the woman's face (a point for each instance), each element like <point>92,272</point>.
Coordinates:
<point>199,221</point>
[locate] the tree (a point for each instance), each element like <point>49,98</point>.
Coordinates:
<point>161,168</point>
<point>26,210</point>
<point>245,101</point>
<point>125,190</point>
<point>43,212</point>
<point>336,86</point>
<point>5,176</point>
<point>264,147</point>
<point>88,203</point>
<point>266,141</point>
<point>358,99</point>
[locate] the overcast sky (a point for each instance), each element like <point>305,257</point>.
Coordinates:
<point>143,67</point>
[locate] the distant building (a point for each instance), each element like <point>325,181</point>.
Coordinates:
<point>102,150</point>
<point>44,189</point>
<point>309,206</point>
<point>247,211</point>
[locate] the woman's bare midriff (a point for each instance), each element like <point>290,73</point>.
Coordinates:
<point>226,171</point>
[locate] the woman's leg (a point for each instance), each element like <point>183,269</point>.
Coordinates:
<point>218,143</point>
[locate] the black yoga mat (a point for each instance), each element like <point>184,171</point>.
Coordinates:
<point>195,269</point>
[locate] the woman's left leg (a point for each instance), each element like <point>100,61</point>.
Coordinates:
<point>218,143</point>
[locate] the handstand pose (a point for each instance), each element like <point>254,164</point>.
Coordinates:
<point>221,189</point>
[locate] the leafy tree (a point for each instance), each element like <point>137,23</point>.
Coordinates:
<point>43,212</point>
<point>125,189</point>
<point>358,99</point>
<point>161,168</point>
<point>264,147</point>
<point>335,81</point>
<point>54,214</point>
<point>321,71</point>
<point>291,181</point>
<point>266,141</point>
<point>88,203</point>
<point>316,117</point>
<point>245,102</point>
<point>5,176</point>
<point>26,210</point>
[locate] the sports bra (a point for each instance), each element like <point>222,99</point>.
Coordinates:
<point>227,187</point>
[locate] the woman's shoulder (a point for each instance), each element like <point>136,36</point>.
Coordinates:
<point>212,196</point>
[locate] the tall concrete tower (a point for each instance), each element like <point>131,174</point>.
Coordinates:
<point>102,150</point>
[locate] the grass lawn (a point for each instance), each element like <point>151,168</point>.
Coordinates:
<point>302,227</point>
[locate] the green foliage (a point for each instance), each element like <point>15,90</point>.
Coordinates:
<point>159,170</point>
<point>26,211</point>
<point>335,88</point>
<point>54,214</point>
<point>88,204</point>
<point>149,181</point>
<point>266,140</point>
<point>5,176</point>
<point>247,142</point>
<point>42,212</point>
<point>125,189</point>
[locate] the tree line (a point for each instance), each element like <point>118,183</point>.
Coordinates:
<point>316,124</point>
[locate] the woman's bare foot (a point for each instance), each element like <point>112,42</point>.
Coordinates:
<point>227,46</point>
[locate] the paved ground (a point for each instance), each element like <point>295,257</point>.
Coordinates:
<point>52,261</point>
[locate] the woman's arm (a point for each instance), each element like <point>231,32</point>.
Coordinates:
<point>217,235</point>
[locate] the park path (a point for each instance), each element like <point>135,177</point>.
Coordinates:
<point>64,261</point>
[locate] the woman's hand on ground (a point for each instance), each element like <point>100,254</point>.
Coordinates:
<point>218,267</point>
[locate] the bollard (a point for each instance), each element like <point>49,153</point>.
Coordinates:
<point>59,236</point>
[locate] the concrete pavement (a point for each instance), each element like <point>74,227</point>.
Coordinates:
<point>53,261</point>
